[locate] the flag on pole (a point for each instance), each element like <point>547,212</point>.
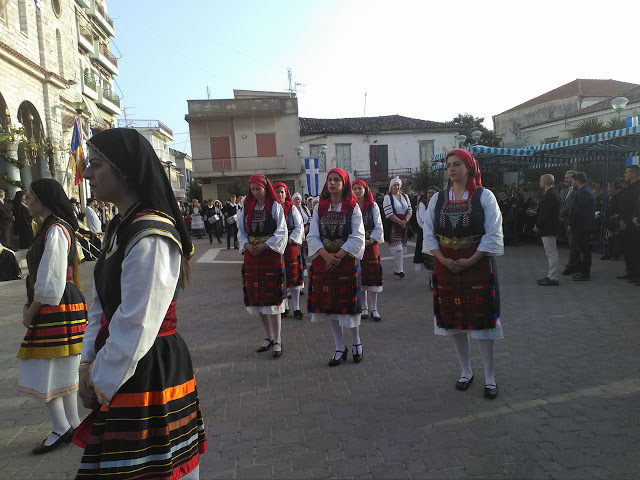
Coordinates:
<point>37,2</point>
<point>633,122</point>
<point>312,172</point>
<point>77,153</point>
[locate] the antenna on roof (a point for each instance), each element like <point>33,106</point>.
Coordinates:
<point>208,93</point>
<point>364,114</point>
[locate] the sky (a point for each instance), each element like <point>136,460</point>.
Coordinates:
<point>423,59</point>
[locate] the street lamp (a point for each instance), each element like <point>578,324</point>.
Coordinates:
<point>476,134</point>
<point>299,150</point>
<point>460,139</point>
<point>619,103</point>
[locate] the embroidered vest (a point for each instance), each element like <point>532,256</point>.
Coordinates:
<point>262,224</point>
<point>335,228</point>
<point>459,219</point>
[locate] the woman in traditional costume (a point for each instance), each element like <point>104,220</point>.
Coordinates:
<point>22,225</point>
<point>55,313</point>
<point>336,244</point>
<point>306,220</point>
<point>397,209</point>
<point>136,371</point>
<point>463,231</point>
<point>262,233</point>
<point>371,266</point>
<point>197,222</point>
<point>420,260</point>
<point>293,253</point>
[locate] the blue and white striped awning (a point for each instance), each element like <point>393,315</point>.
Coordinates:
<point>480,151</point>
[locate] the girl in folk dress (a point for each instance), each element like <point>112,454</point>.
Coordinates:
<point>292,255</point>
<point>197,223</point>
<point>371,271</point>
<point>463,231</point>
<point>336,244</point>
<point>136,372</point>
<point>262,233</point>
<point>397,209</point>
<point>55,313</point>
<point>421,260</point>
<point>306,220</point>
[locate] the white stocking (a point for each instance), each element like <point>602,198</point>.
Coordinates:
<point>276,325</point>
<point>398,261</point>
<point>295,298</point>
<point>461,344</point>
<point>355,338</point>
<point>70,403</point>
<point>55,408</point>
<point>338,335</point>
<point>266,323</point>
<point>373,301</point>
<point>487,349</point>
<point>364,299</point>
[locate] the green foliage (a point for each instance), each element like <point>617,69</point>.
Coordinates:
<point>424,177</point>
<point>589,126</point>
<point>467,123</point>
<point>15,183</point>
<point>195,191</point>
<point>616,123</point>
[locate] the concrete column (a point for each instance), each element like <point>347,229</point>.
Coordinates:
<point>44,166</point>
<point>27,176</point>
<point>13,172</point>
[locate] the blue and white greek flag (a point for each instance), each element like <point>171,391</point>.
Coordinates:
<point>633,122</point>
<point>312,171</point>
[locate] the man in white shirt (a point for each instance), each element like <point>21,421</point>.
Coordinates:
<point>93,221</point>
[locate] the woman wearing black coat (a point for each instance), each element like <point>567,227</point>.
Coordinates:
<point>22,223</point>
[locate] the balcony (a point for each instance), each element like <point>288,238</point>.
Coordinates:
<point>89,85</point>
<point>85,37</point>
<point>405,174</point>
<point>108,100</point>
<point>98,13</point>
<point>238,166</point>
<point>152,125</point>
<point>105,58</point>
<point>84,3</point>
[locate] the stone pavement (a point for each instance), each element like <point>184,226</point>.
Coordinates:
<point>568,372</point>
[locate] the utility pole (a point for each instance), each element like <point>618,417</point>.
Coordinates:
<point>289,76</point>
<point>364,114</point>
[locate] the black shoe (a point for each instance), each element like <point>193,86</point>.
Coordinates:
<point>342,358</point>
<point>298,314</point>
<point>464,385</point>
<point>364,316</point>
<point>542,279</point>
<point>401,274</point>
<point>285,313</point>
<point>626,276</point>
<point>605,257</point>
<point>547,282</point>
<point>264,348</point>
<point>634,279</point>
<point>490,391</point>
<point>568,271</point>
<point>357,357</point>
<point>277,353</point>
<point>376,318</point>
<point>62,439</point>
<point>583,277</point>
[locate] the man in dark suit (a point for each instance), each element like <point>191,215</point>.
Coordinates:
<point>6,221</point>
<point>548,226</point>
<point>229,211</point>
<point>582,223</point>
<point>629,232</point>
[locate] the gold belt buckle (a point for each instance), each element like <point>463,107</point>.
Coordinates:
<point>258,240</point>
<point>456,243</point>
<point>332,244</point>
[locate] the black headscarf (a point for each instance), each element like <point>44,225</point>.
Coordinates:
<point>126,150</point>
<point>51,194</point>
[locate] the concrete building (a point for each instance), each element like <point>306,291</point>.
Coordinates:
<point>184,165</point>
<point>374,148</point>
<point>231,139</point>
<point>564,101</point>
<point>46,50</point>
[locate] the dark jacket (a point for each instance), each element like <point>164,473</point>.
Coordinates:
<point>6,218</point>
<point>548,221</point>
<point>628,201</point>
<point>567,203</point>
<point>582,216</point>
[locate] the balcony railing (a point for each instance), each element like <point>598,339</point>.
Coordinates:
<point>109,95</point>
<point>155,124</point>
<point>90,81</point>
<point>104,14</point>
<point>248,164</point>
<point>104,49</point>
<point>367,175</point>
<point>85,31</point>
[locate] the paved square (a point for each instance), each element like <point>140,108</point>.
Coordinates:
<point>568,372</point>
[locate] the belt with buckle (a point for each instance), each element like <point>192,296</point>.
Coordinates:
<point>458,243</point>
<point>258,240</point>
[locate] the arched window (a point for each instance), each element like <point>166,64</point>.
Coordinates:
<point>60,56</point>
<point>22,13</point>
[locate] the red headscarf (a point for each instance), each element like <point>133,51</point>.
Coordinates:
<point>250,201</point>
<point>288,203</point>
<point>367,201</point>
<point>475,178</point>
<point>348,198</point>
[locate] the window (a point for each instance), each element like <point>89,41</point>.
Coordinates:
<point>426,150</point>
<point>60,57</point>
<point>315,152</point>
<point>343,156</point>
<point>220,153</point>
<point>22,13</point>
<point>3,11</point>
<point>206,181</point>
<point>266,143</point>
<point>57,8</point>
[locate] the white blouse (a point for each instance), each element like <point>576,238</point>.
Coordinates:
<point>354,245</point>
<point>297,234</point>
<point>150,273</point>
<point>377,233</point>
<point>491,242</point>
<point>421,217</point>
<point>402,206</point>
<point>278,241</point>
<point>52,270</point>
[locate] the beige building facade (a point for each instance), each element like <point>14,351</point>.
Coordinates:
<point>50,75</point>
<point>231,139</point>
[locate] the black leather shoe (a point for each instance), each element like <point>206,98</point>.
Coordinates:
<point>264,348</point>
<point>582,278</point>
<point>376,318</point>
<point>62,439</point>
<point>634,279</point>
<point>342,358</point>
<point>357,357</point>
<point>547,282</point>
<point>567,271</point>
<point>542,279</point>
<point>298,314</point>
<point>285,313</point>
<point>464,385</point>
<point>626,276</point>
<point>277,353</point>
<point>401,274</point>
<point>490,392</point>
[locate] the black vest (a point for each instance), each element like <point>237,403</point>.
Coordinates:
<point>460,219</point>
<point>367,219</point>
<point>335,225</point>
<point>122,235</point>
<point>262,223</point>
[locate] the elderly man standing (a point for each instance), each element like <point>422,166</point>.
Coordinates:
<point>93,221</point>
<point>568,198</point>
<point>6,220</point>
<point>548,226</point>
<point>630,232</point>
